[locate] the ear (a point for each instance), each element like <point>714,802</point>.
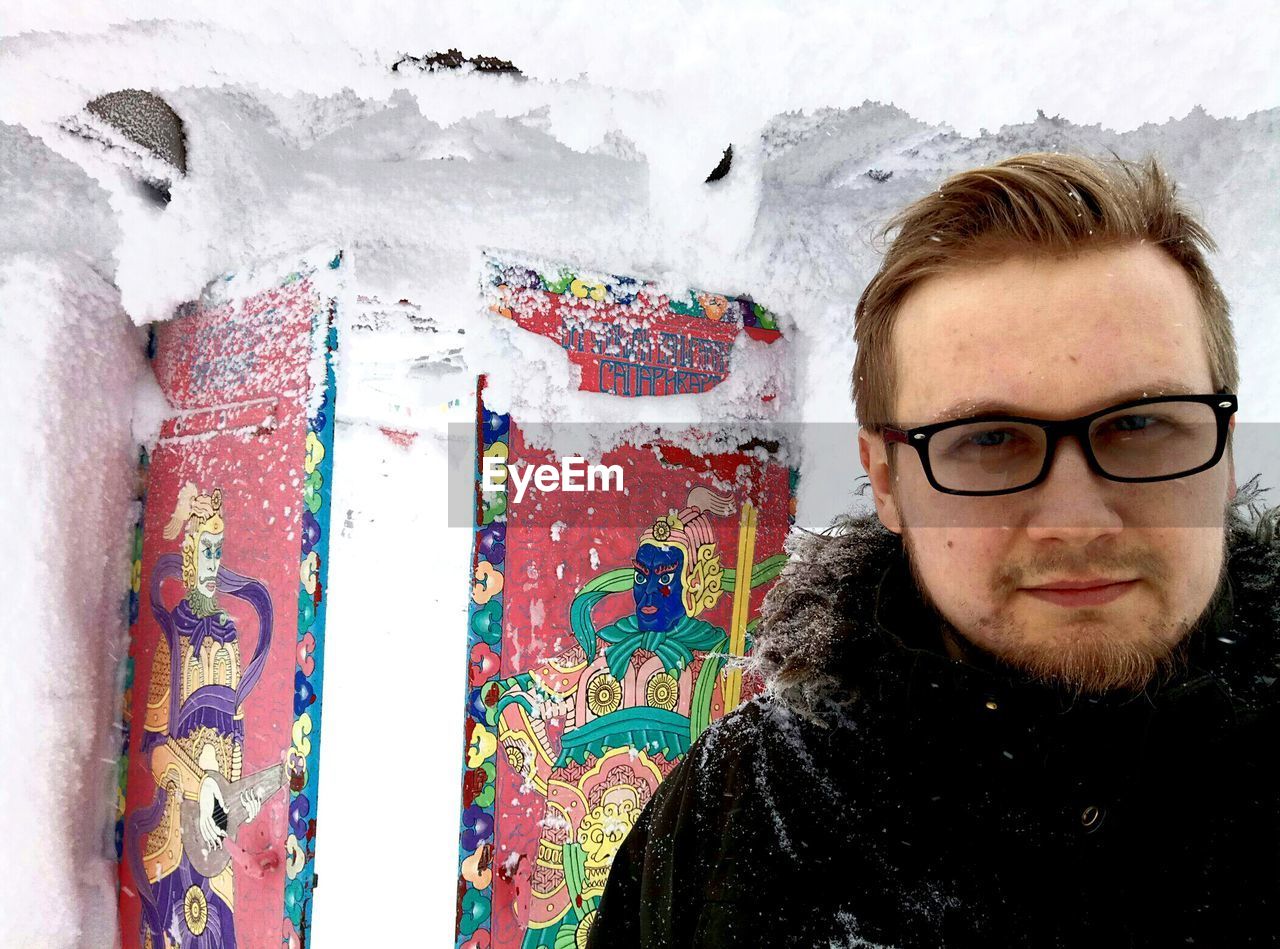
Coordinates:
<point>875,462</point>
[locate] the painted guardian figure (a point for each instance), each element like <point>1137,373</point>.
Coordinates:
<point>194,734</point>
<point>597,728</point>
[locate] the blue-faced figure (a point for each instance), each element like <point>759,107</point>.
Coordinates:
<point>658,589</point>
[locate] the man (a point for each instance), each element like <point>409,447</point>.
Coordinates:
<point>1033,700</point>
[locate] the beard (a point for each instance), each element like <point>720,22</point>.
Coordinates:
<point>202,605</point>
<point>1088,656</point>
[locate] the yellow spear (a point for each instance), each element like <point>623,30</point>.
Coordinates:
<point>741,604</point>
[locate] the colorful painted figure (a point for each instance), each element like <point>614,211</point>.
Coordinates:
<point>633,696</point>
<point>193,736</point>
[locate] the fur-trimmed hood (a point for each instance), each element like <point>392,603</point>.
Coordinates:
<point>825,625</point>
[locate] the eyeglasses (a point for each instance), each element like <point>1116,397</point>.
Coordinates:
<point>1155,439</point>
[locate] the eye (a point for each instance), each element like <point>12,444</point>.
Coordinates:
<point>641,579</point>
<point>993,438</point>
<point>666,578</point>
<point>1128,424</point>
<point>980,439</point>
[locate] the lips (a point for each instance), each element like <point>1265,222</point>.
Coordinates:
<point>1072,594</point>
<point>1089,584</point>
<point>648,610</point>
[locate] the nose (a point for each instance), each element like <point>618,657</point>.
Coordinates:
<point>1073,503</point>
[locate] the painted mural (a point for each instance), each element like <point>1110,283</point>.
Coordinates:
<point>217,827</point>
<point>629,338</point>
<point>601,645</point>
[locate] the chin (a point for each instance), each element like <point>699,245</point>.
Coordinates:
<point>1098,661</point>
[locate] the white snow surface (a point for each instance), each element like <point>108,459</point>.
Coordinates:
<point>299,134</point>
<point>68,475</point>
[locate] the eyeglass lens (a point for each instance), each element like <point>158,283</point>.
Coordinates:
<point>1147,441</point>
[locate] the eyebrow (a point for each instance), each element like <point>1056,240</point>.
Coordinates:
<point>972,407</point>
<point>656,568</point>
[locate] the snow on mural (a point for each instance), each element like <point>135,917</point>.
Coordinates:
<point>641,341</point>
<point>602,627</point>
<point>218,828</point>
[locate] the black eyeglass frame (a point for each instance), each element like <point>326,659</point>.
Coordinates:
<point>1223,403</point>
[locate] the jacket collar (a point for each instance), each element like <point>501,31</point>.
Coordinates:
<point>845,626</point>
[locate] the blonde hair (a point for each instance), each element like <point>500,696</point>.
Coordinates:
<point>1042,203</point>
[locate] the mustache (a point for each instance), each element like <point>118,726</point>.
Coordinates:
<point>1143,566</point>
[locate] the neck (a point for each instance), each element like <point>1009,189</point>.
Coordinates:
<point>955,645</point>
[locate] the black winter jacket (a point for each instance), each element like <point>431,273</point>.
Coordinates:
<point>907,799</point>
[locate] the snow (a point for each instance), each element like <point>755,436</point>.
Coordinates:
<point>398,588</point>
<point>299,135</point>
<point>67,483</point>
<point>38,185</point>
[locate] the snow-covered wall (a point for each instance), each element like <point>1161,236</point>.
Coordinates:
<point>67,475</point>
<point>299,133</point>
<point>70,464</point>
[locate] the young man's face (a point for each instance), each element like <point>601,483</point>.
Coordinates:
<point>1057,338</point>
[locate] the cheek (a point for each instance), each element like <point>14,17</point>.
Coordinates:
<point>957,566</point>
<point>951,548</point>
